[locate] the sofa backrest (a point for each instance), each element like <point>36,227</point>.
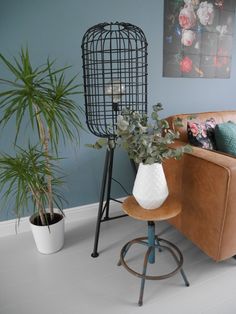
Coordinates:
<point>219,116</point>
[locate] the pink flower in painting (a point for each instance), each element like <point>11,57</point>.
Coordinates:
<point>186,65</point>
<point>188,37</point>
<point>205,13</point>
<point>221,60</point>
<point>187,17</point>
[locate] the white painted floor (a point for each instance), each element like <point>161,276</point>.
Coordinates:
<point>71,282</point>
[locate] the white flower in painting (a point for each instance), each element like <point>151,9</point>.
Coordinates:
<point>222,29</point>
<point>197,45</point>
<point>188,37</point>
<point>194,3</point>
<point>205,13</point>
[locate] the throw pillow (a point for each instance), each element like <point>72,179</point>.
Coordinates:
<point>225,136</point>
<point>201,134</point>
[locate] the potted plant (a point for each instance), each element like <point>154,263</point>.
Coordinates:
<point>148,144</point>
<point>42,97</point>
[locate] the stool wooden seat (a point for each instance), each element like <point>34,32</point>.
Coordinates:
<point>169,209</point>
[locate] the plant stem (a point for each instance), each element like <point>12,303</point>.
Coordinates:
<point>44,137</point>
<point>40,208</point>
<point>42,217</point>
<point>49,177</point>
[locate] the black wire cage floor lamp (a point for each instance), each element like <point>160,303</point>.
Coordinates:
<point>115,77</point>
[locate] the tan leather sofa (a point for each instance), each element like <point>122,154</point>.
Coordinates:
<point>206,183</point>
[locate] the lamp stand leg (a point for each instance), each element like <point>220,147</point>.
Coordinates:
<point>134,166</point>
<point>109,178</point>
<point>106,193</point>
<point>100,208</point>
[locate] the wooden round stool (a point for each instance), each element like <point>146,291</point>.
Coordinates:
<point>170,208</point>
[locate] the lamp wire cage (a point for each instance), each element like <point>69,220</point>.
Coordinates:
<point>115,74</point>
<point>115,77</point>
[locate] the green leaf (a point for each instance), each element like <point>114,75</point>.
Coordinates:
<point>147,143</point>
<point>100,143</point>
<point>42,96</point>
<point>158,107</point>
<point>178,122</point>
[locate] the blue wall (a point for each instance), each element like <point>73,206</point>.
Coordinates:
<point>55,28</point>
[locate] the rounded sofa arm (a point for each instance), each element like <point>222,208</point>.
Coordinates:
<point>215,157</point>
<point>206,183</point>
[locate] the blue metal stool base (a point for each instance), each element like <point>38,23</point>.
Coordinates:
<point>153,242</point>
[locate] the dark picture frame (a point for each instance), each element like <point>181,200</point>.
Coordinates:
<point>198,38</point>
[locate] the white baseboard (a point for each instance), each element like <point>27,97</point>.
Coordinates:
<point>9,227</point>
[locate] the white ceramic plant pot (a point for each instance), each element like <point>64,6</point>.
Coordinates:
<point>48,239</point>
<point>150,187</point>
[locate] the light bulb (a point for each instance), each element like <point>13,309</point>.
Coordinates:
<point>116,89</point>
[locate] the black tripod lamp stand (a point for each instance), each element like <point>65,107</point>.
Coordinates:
<point>115,77</point>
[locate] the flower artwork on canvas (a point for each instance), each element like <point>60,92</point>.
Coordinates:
<point>198,38</point>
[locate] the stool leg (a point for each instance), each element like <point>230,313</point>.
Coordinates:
<point>151,241</point>
<point>122,254</point>
<point>158,244</point>
<point>187,284</point>
<point>147,256</point>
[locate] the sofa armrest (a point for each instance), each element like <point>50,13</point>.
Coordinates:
<point>207,189</point>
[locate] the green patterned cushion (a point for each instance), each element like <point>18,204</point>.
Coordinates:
<point>225,137</point>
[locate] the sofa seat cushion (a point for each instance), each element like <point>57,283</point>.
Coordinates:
<point>225,137</point>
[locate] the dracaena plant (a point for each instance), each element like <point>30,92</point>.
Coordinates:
<point>44,97</point>
<point>147,142</point>
<point>23,177</point>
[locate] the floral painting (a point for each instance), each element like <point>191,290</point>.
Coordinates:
<point>198,38</point>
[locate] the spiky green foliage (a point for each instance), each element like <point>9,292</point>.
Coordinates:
<point>23,177</point>
<point>43,97</point>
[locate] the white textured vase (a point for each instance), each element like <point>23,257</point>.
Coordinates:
<point>150,186</point>
<point>48,239</point>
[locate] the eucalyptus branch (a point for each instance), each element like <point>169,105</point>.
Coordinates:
<point>144,141</point>
<point>148,142</point>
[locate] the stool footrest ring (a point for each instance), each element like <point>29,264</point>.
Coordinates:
<point>175,252</point>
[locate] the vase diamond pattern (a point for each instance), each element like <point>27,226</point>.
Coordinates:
<point>150,186</point>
